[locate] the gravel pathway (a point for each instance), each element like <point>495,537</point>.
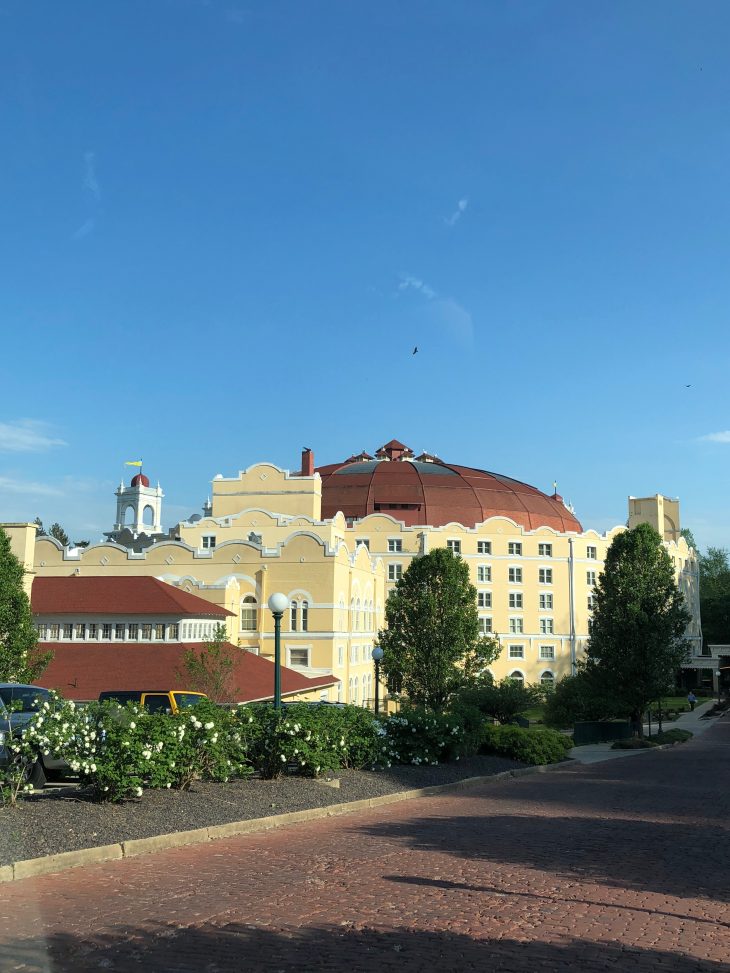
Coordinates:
<point>63,819</point>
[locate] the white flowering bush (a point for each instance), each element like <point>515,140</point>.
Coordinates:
<point>309,740</point>
<point>416,736</point>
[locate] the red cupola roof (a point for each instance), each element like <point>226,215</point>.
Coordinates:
<point>140,480</point>
<point>425,490</point>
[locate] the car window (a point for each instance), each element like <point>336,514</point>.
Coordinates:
<point>184,700</point>
<point>25,699</point>
<point>157,702</point>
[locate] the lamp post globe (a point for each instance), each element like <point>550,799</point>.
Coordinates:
<point>377,655</point>
<point>278,604</point>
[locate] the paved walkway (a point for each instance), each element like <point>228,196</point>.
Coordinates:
<point>618,866</point>
<point>692,721</point>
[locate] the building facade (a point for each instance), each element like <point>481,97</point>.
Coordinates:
<point>336,539</point>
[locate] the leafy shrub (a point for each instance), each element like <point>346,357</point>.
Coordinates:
<point>635,743</point>
<point>576,699</point>
<point>502,701</point>
<point>308,740</point>
<point>673,736</point>
<point>416,736</point>
<point>527,746</point>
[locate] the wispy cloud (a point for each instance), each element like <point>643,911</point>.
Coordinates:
<point>84,230</point>
<point>91,183</point>
<point>27,436</point>
<point>28,488</point>
<point>407,282</point>
<point>458,212</point>
<point>716,437</point>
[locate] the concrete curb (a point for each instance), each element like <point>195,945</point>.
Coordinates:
<point>178,839</point>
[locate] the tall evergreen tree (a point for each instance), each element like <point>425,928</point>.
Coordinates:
<point>41,532</point>
<point>20,660</point>
<point>432,647</point>
<point>637,641</point>
<point>715,596</point>
<point>60,534</point>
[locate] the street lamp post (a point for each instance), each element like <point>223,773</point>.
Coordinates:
<point>377,654</point>
<point>278,604</point>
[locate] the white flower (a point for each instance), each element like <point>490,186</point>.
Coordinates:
<point>209,726</point>
<point>146,754</point>
<point>282,757</point>
<point>158,746</point>
<point>168,786</point>
<point>138,791</point>
<point>132,725</point>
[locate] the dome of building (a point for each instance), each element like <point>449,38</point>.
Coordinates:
<point>425,490</point>
<point>140,480</point>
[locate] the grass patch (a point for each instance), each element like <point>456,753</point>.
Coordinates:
<point>647,743</point>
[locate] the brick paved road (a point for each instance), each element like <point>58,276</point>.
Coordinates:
<point>622,866</point>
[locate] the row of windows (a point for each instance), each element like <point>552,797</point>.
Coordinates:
<point>545,652</point>
<point>547,678</point>
<point>367,689</point>
<point>298,615</point>
<point>123,631</point>
<point>514,575</point>
<point>515,599</point>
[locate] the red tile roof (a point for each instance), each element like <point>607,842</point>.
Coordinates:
<point>81,671</point>
<point>75,595</point>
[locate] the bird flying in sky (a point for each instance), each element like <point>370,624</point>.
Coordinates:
<point>415,350</point>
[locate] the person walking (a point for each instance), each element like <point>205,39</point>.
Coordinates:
<point>691,699</point>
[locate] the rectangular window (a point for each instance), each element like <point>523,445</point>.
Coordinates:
<point>353,654</point>
<point>54,630</point>
<point>545,550</point>
<point>515,599</point>
<point>517,652</point>
<point>305,616</point>
<point>298,657</point>
<point>93,628</point>
<point>514,548</point>
<point>485,626</point>
<point>395,545</point>
<point>591,578</point>
<point>484,547</point>
<point>546,600</point>
<point>515,575</point>
<point>80,630</point>
<point>546,626</point>
<point>147,631</point>
<point>516,626</point>
<point>207,542</point>
<point>547,652</point>
<point>133,631</point>
<point>484,599</point>
<point>67,630</point>
<point>119,631</point>
<point>42,629</point>
<point>365,542</point>
<point>454,546</point>
<point>341,655</point>
<point>293,617</point>
<point>106,630</point>
<point>591,602</point>
<point>592,553</point>
<point>484,573</point>
<point>159,630</point>
<point>395,572</point>
<point>545,575</point>
<point>174,632</point>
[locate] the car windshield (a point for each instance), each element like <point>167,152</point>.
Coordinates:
<point>184,700</point>
<point>23,699</point>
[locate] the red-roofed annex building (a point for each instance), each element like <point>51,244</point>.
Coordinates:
<point>335,539</point>
<point>110,633</point>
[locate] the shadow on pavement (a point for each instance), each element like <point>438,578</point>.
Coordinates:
<point>237,947</point>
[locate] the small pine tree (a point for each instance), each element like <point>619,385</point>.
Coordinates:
<point>41,532</point>
<point>60,534</point>
<point>210,670</point>
<point>20,660</point>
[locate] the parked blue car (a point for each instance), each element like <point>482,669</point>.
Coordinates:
<point>18,703</point>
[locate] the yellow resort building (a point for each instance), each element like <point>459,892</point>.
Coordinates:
<point>335,540</point>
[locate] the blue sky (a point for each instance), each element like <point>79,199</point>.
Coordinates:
<point>226,224</point>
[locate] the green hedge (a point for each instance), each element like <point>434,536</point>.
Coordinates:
<point>528,746</point>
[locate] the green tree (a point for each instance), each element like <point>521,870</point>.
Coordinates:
<point>211,670</point>
<point>20,659</point>
<point>60,534</point>
<point>689,537</point>
<point>637,642</point>
<point>715,596</point>
<point>577,698</point>
<point>431,646</point>
<point>41,532</point>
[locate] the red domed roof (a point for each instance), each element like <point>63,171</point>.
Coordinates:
<point>425,490</point>
<point>140,480</point>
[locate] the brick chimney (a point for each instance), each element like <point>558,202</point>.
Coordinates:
<point>307,462</point>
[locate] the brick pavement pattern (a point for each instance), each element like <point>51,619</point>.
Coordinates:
<point>618,866</point>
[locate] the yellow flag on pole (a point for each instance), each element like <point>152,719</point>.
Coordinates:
<point>133,462</point>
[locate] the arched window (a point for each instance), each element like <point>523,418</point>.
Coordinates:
<point>148,516</point>
<point>249,614</point>
<point>305,616</point>
<point>128,515</point>
<point>293,616</point>
<point>517,676</point>
<point>357,615</point>
<point>547,679</point>
<point>352,614</point>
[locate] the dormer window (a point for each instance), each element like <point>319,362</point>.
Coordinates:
<point>207,542</point>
